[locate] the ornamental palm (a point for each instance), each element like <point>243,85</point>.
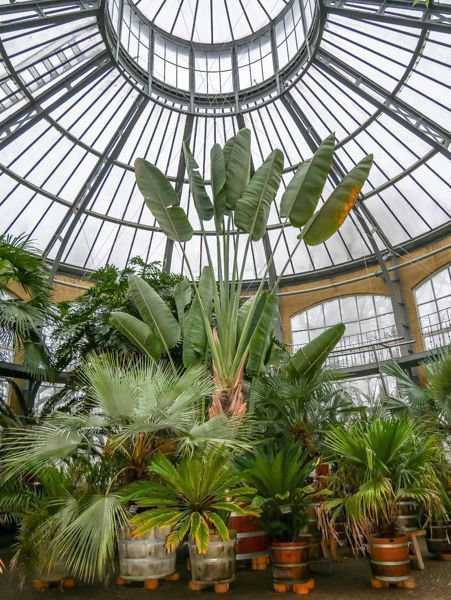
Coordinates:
<point>238,337</point>
<point>192,498</point>
<point>431,402</point>
<point>379,463</point>
<point>137,408</point>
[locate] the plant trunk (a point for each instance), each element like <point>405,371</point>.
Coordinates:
<point>228,399</point>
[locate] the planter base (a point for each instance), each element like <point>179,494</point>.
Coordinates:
<point>444,556</point>
<point>220,587</point>
<point>260,563</point>
<point>405,584</point>
<point>149,584</point>
<point>301,588</point>
<point>41,585</point>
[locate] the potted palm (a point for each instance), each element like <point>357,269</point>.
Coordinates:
<point>383,462</point>
<point>138,410</point>
<point>284,493</point>
<point>193,499</point>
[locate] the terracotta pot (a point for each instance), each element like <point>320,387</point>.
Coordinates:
<point>439,538</point>
<point>251,540</point>
<point>389,558</point>
<point>145,557</point>
<point>217,565</point>
<point>290,560</point>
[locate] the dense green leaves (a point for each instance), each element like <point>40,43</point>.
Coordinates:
<point>335,210</point>
<point>237,155</point>
<point>162,201</point>
<point>304,190</point>
<point>154,311</point>
<point>309,359</point>
<point>252,208</point>
<point>201,199</point>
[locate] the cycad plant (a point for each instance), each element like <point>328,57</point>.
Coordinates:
<point>378,464</point>
<point>284,490</point>
<point>236,336</point>
<point>192,498</point>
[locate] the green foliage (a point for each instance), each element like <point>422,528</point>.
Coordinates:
<point>379,463</point>
<point>431,403</point>
<point>243,203</point>
<point>83,326</point>
<point>281,478</point>
<point>304,190</point>
<point>192,498</point>
<point>307,361</point>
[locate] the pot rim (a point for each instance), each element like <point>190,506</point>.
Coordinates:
<point>396,539</point>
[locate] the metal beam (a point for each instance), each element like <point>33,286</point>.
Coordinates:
<point>23,118</point>
<point>38,16</point>
<point>93,181</point>
<point>187,132</point>
<point>437,18</point>
<point>413,120</point>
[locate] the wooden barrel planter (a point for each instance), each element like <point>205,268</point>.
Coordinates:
<point>217,565</point>
<point>252,543</point>
<point>439,539</point>
<point>314,531</point>
<point>389,558</point>
<point>407,518</point>
<point>290,561</point>
<point>145,557</point>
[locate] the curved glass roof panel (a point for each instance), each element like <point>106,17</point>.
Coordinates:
<point>88,86</point>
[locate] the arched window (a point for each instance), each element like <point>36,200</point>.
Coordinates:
<point>370,328</point>
<point>433,300</point>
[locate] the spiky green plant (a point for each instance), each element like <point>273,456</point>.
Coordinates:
<point>193,498</point>
<point>379,463</point>
<point>284,492</point>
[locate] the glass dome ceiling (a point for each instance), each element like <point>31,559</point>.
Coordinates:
<point>87,86</point>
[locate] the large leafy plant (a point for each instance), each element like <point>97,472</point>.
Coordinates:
<point>284,492</point>
<point>236,336</point>
<point>379,463</point>
<point>193,498</point>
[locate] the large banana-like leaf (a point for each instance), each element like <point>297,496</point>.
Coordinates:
<point>201,199</point>
<point>237,155</point>
<point>261,337</point>
<point>335,210</point>
<point>194,334</point>
<point>252,209</point>
<point>304,190</point>
<point>312,356</point>
<point>182,296</point>
<point>162,201</point>
<point>139,333</point>
<point>154,311</point>
<point>218,184</point>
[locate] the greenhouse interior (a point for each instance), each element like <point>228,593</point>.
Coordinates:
<point>225,299</point>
